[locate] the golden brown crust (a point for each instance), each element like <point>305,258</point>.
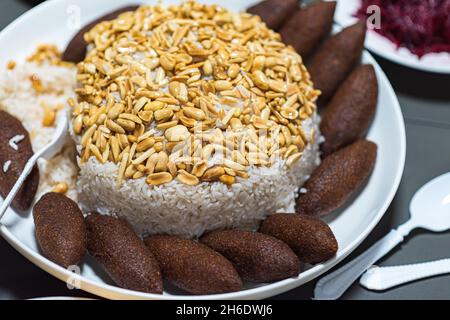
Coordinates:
<point>12,127</point>
<point>309,26</point>
<point>257,257</point>
<point>309,237</point>
<point>123,255</point>
<point>60,229</point>
<point>192,266</point>
<point>335,59</point>
<point>339,177</point>
<point>350,113</point>
<point>274,12</point>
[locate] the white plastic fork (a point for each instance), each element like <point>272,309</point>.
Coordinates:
<point>430,210</point>
<point>48,152</point>
<point>383,278</point>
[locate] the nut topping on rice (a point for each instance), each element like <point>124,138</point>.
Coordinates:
<point>192,92</point>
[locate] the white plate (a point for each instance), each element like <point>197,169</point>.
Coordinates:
<point>47,23</point>
<point>432,62</point>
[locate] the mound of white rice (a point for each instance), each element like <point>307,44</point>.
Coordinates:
<point>175,208</point>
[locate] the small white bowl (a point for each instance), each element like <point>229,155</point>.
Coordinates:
<point>432,62</point>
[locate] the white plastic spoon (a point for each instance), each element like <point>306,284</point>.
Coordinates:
<point>430,210</point>
<point>48,152</point>
<point>383,278</point>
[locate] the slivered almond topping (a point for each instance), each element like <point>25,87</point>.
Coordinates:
<point>165,90</point>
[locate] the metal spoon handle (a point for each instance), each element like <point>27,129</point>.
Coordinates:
<point>336,283</point>
<point>23,176</point>
<point>47,153</point>
<point>385,278</point>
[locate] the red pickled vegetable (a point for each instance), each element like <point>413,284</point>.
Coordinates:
<point>422,26</point>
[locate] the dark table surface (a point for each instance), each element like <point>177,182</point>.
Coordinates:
<point>425,102</point>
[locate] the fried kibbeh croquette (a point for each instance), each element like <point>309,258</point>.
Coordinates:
<point>335,59</point>
<point>350,112</point>
<point>192,266</point>
<point>337,179</point>
<point>257,257</point>
<point>275,12</point>
<point>309,237</point>
<point>122,254</point>
<point>60,229</point>
<point>306,29</point>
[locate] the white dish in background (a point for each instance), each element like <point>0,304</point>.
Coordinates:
<point>47,24</point>
<point>432,62</point>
